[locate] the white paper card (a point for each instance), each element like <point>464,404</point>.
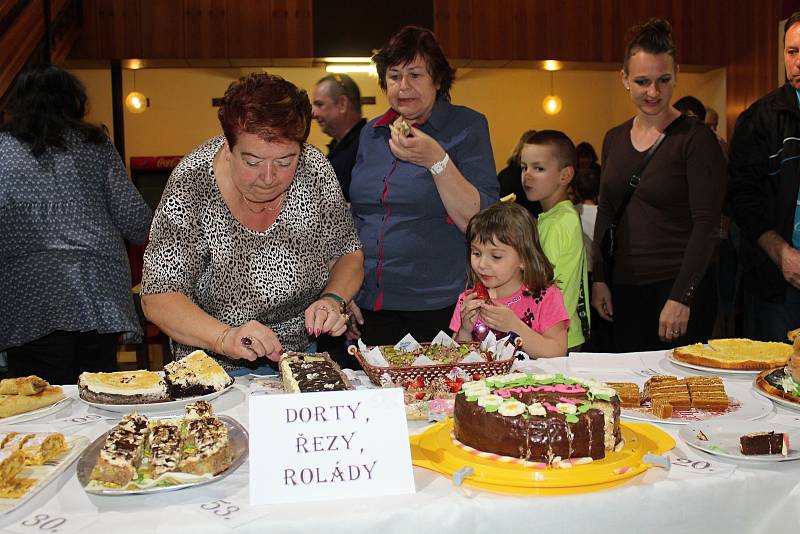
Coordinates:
<point>78,420</point>
<point>325,446</point>
<point>787,420</point>
<point>444,339</point>
<point>60,522</point>
<point>229,512</point>
<point>407,344</point>
<point>685,466</point>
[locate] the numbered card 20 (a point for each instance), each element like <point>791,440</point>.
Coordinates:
<point>324,446</point>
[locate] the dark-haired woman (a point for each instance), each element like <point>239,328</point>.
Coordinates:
<point>663,290</point>
<point>252,250</point>
<point>414,191</point>
<point>66,207</point>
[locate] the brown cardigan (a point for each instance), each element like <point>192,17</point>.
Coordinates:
<point>671,226</point>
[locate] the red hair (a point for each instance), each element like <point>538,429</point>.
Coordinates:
<point>267,106</point>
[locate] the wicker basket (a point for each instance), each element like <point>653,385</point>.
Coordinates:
<point>400,374</point>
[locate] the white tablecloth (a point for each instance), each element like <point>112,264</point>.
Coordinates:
<point>751,498</point>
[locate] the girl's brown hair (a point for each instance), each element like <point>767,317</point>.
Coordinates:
<point>512,225</point>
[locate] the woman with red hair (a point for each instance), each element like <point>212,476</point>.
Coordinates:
<point>252,249</point>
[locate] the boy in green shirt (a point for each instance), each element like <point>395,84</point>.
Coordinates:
<point>548,165</point>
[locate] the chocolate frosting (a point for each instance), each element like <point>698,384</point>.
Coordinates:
<point>535,438</point>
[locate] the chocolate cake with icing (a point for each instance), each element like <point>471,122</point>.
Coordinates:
<point>539,418</point>
<point>196,374</point>
<point>305,372</point>
<point>764,443</point>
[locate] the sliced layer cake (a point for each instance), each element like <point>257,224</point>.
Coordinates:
<point>124,387</point>
<point>303,372</point>
<point>196,374</point>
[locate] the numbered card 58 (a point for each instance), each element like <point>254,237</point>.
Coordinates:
<point>324,446</point>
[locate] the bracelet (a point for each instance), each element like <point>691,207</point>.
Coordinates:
<point>339,300</point>
<point>220,342</point>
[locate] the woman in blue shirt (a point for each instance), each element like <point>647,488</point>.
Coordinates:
<point>66,205</point>
<point>413,193</point>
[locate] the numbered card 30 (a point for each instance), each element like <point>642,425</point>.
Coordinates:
<point>325,446</point>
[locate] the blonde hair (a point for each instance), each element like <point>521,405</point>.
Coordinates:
<point>512,225</point>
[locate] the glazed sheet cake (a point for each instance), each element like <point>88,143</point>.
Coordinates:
<point>124,387</point>
<point>307,372</point>
<point>196,374</point>
<point>735,353</point>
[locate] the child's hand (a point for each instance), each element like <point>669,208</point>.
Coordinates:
<point>500,317</point>
<point>469,311</point>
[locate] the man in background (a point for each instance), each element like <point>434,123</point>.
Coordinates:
<point>764,172</point>
<point>336,106</point>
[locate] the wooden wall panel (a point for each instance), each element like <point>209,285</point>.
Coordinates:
<point>292,29</point>
<point>452,25</point>
<point>119,29</point>
<point>249,29</point>
<point>85,46</point>
<point>587,33</point>
<point>162,29</point>
<point>492,29</point>
<point>19,41</point>
<point>753,44</point>
<point>205,29</point>
<point>531,34</point>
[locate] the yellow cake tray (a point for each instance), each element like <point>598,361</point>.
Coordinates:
<point>434,449</point>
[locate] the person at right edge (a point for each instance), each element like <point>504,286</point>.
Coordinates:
<point>664,290</point>
<point>764,173</point>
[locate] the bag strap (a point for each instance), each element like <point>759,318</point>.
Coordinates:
<point>633,183</point>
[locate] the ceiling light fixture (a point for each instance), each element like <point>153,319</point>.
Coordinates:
<point>340,68</point>
<point>552,103</point>
<point>136,102</point>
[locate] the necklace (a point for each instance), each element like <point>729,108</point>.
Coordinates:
<point>266,206</point>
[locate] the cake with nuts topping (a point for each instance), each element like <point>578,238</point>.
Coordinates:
<point>311,372</point>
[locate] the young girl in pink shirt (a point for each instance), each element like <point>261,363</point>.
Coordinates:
<point>506,259</point>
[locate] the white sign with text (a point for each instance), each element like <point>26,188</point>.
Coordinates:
<point>332,445</point>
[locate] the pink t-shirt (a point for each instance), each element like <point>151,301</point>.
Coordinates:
<point>538,309</point>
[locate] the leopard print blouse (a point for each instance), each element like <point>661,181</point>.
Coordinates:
<point>198,248</point>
